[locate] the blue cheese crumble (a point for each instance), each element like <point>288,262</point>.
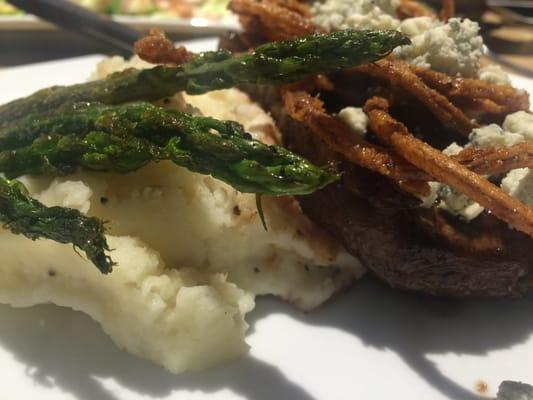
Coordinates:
<point>355,118</point>
<point>519,183</point>
<point>494,74</point>
<point>358,14</point>
<point>450,199</point>
<point>517,128</point>
<point>454,47</point>
<point>520,122</point>
<point>493,135</point>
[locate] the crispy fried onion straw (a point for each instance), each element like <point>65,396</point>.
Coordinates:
<point>309,110</point>
<point>277,21</point>
<point>488,97</point>
<point>485,161</point>
<point>301,7</point>
<point>157,49</point>
<point>400,76</point>
<point>496,160</point>
<point>448,10</point>
<point>410,9</point>
<point>445,169</point>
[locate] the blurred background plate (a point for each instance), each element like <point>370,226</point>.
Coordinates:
<point>197,25</point>
<point>22,36</point>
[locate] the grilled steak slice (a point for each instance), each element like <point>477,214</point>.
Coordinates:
<point>404,245</point>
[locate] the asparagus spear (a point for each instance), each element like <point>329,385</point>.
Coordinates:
<point>23,215</point>
<point>73,118</point>
<point>271,63</point>
<point>125,138</point>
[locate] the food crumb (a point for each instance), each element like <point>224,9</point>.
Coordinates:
<point>481,387</point>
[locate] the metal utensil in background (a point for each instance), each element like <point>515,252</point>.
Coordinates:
<point>116,38</point>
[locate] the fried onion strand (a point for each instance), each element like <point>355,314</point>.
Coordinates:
<point>410,9</point>
<point>496,160</point>
<point>157,49</point>
<point>277,21</point>
<point>486,161</point>
<point>448,10</point>
<point>400,75</point>
<point>309,110</point>
<point>445,169</point>
<point>505,99</point>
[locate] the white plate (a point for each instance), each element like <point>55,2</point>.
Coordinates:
<point>368,343</point>
<point>197,25</point>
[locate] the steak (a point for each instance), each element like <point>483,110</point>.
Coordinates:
<point>408,247</point>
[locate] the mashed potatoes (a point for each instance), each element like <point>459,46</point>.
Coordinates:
<point>191,252</point>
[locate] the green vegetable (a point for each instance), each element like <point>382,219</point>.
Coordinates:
<point>271,63</point>
<point>125,138</point>
<point>80,118</point>
<point>514,391</point>
<point>59,129</point>
<point>8,9</point>
<point>23,215</point>
<point>115,7</point>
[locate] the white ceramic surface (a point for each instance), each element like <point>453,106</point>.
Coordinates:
<point>367,343</point>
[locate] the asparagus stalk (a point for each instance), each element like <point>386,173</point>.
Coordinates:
<point>125,138</point>
<point>23,215</point>
<point>81,117</point>
<point>271,63</point>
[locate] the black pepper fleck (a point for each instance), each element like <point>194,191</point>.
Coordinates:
<point>236,210</point>
<point>104,200</point>
<point>307,268</point>
<point>166,100</point>
<point>51,272</point>
<point>256,270</point>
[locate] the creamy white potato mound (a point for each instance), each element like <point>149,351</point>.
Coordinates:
<point>165,315</point>
<point>191,252</point>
